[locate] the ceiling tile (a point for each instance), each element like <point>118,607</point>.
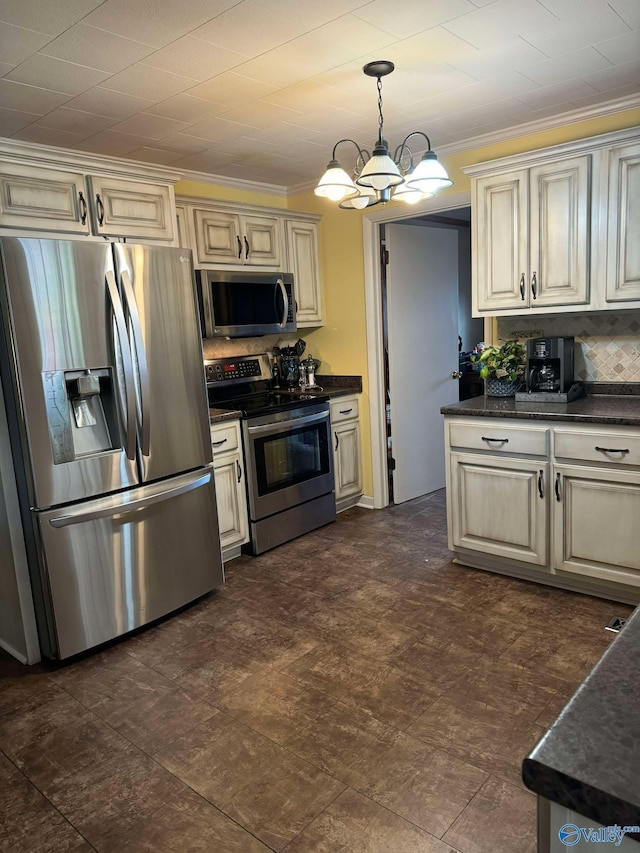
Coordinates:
<point>185,107</point>
<point>615,77</point>
<point>503,19</point>
<point>511,55</point>
<point>194,58</point>
<point>74,121</point>
<point>183,144</point>
<point>262,114</point>
<point>629,11</point>
<point>218,130</point>
<point>142,81</point>
<point>48,136</point>
<point>57,75</point>
<point>30,99</point>
<point>116,105</point>
<point>151,126</point>
<point>113,144</point>
<point>5,68</point>
<point>232,89</point>
<point>156,23</point>
<point>12,120</point>
<point>576,64</point>
<point>433,47</point>
<point>18,43</point>
<point>52,18</point>
<point>97,48</point>
<point>154,155</point>
<point>578,23</point>
<point>204,162</point>
<point>411,16</point>
<point>560,93</point>
<point>621,49</point>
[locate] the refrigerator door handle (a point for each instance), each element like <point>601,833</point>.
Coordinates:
<point>110,507</point>
<point>127,365</point>
<point>141,360</point>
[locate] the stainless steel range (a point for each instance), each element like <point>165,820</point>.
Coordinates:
<point>286,438</point>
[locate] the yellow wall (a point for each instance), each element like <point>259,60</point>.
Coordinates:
<point>341,343</point>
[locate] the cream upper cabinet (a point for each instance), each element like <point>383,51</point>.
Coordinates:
<point>303,260</point>
<point>58,192</point>
<point>224,237</point>
<point>623,240</point>
<point>531,237</point>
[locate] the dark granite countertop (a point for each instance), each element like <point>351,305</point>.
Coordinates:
<point>332,386</point>
<point>616,410</point>
<point>589,759</point>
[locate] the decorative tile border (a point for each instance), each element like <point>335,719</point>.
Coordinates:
<point>607,345</point>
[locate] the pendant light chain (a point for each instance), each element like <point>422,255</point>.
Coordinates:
<point>380,119</point>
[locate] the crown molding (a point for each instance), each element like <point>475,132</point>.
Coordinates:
<point>71,158</point>
<point>234,183</point>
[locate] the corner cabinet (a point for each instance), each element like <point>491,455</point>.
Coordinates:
<point>347,456</point>
<point>227,236</point>
<point>546,501</point>
<point>550,226</point>
<point>228,467</point>
<point>39,192</point>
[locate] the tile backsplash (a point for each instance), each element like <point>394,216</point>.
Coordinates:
<point>607,346</point>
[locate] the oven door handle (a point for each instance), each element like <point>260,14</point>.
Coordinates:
<point>285,426</point>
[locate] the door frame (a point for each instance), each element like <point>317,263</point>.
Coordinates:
<point>373,312</point>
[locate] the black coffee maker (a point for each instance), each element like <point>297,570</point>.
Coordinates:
<point>549,371</point>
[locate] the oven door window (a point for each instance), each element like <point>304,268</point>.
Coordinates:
<point>291,457</point>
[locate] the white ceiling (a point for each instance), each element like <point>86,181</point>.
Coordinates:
<point>262,89</point>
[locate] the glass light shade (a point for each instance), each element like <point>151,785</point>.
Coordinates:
<point>379,171</point>
<point>408,194</point>
<point>429,175</point>
<point>365,197</point>
<point>335,184</point>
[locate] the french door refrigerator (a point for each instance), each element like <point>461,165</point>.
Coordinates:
<point>107,420</point>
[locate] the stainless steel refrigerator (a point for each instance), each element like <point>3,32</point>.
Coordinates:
<point>106,416</point>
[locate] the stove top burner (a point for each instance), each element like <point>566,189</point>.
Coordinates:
<point>264,403</point>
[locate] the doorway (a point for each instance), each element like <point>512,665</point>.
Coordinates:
<point>380,389</point>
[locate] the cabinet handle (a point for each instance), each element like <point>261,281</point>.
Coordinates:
<point>498,440</point>
<point>534,285</point>
<point>239,470</point>
<point>83,208</point>
<point>622,450</point>
<point>541,483</point>
<point>522,287</point>
<point>557,487</point>
<point>246,248</point>
<point>219,443</point>
<point>239,246</point>
<point>337,441</point>
<point>345,411</point>
<point>100,207</point>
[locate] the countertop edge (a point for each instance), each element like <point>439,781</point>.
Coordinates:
<point>613,410</point>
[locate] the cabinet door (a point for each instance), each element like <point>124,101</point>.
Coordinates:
<point>499,506</point>
<point>304,263</point>
<point>43,199</point>
<point>623,245</point>
<point>261,241</point>
<point>123,208</point>
<point>596,530</point>
<point>559,229</point>
<point>231,500</point>
<point>218,237</point>
<point>346,459</point>
<point>500,225</point>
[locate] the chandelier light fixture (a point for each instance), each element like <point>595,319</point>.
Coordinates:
<point>378,177</point>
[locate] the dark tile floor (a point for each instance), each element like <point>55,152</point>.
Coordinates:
<point>350,691</point>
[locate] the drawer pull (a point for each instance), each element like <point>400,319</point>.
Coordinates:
<point>345,411</point>
<point>612,449</point>
<point>557,487</point>
<point>541,483</point>
<point>498,440</point>
<point>219,443</point>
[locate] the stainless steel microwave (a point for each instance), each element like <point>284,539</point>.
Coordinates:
<point>245,304</point>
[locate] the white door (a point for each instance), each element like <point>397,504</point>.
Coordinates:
<point>422,306</point>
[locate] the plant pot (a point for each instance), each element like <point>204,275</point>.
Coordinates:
<point>500,387</point>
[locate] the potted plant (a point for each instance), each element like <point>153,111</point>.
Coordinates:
<point>502,368</point>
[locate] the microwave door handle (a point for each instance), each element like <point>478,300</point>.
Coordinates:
<point>141,360</point>
<point>285,299</point>
<point>127,365</point>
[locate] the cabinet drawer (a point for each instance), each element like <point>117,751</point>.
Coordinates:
<point>497,438</point>
<point>225,438</point>
<point>617,448</point>
<point>344,409</point>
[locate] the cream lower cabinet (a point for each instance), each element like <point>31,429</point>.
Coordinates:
<point>550,502</point>
<point>231,497</point>
<point>347,456</point>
